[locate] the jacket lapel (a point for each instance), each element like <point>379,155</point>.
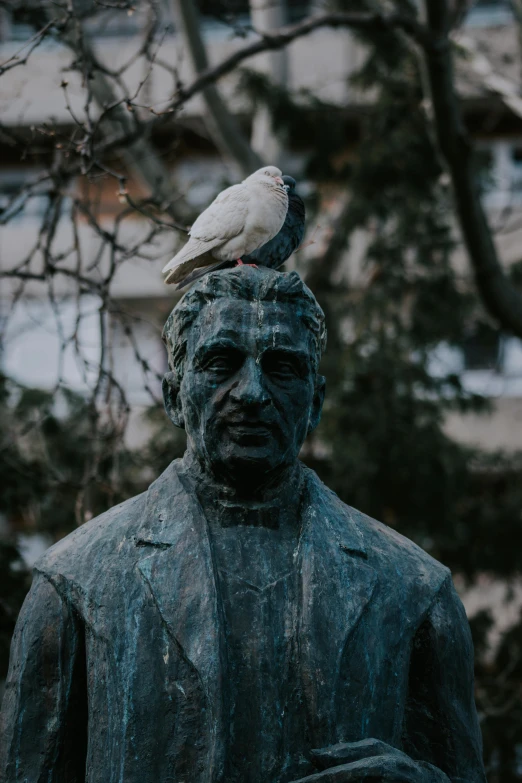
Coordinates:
<point>337,585</point>
<point>177,566</point>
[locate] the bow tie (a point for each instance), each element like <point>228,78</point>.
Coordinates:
<point>231,514</point>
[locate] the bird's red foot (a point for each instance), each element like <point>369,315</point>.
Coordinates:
<point>240,263</point>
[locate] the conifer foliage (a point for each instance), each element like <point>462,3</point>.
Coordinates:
<point>382,444</point>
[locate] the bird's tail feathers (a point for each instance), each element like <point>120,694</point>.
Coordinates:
<point>200,272</point>
<point>178,272</point>
<point>193,249</point>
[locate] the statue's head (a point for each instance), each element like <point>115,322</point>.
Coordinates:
<point>244,347</point>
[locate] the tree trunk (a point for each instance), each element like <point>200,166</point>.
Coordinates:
<point>517,11</point>
<point>501,299</point>
<point>222,125</point>
<point>267,16</point>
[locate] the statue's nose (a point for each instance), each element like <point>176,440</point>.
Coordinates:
<point>249,388</point>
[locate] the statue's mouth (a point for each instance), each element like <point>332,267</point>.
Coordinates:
<point>245,429</point>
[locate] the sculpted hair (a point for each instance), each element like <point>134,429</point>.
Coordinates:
<point>261,285</point>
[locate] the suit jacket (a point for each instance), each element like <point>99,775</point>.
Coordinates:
<point>117,665</point>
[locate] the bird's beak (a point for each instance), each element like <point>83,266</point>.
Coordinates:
<point>279,180</point>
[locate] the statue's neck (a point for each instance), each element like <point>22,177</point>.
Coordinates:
<point>275,500</point>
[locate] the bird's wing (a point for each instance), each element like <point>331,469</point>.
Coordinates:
<point>222,220</point>
<point>225,217</point>
<point>190,256</point>
<point>296,218</point>
<point>274,253</point>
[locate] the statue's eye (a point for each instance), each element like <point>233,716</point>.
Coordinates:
<point>222,362</point>
<point>282,365</point>
<point>218,364</point>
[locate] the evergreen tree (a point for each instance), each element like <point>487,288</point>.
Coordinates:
<point>59,467</point>
<point>387,451</point>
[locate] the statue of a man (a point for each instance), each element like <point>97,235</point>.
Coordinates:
<point>237,623</point>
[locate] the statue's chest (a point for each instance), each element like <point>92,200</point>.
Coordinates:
<point>259,600</point>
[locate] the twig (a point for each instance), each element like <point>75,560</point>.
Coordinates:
<point>364,22</point>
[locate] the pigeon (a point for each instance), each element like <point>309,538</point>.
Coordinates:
<point>241,219</point>
<point>277,250</point>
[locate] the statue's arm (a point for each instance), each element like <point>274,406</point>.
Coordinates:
<point>441,738</point>
<point>441,725</point>
<point>43,720</point>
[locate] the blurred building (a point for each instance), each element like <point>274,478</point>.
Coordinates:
<point>42,342</point>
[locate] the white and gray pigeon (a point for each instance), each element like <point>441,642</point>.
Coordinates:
<point>240,220</point>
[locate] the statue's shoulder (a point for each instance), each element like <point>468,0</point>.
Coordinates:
<point>394,548</point>
<point>92,541</point>
<point>111,538</point>
<point>383,547</point>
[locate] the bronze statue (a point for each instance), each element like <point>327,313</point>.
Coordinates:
<point>238,623</point>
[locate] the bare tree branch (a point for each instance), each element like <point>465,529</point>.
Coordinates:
<point>223,126</point>
<point>33,43</point>
<point>117,115</point>
<point>367,22</point>
<point>131,136</point>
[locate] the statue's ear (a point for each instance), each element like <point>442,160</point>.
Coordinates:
<point>172,401</point>
<point>317,404</point>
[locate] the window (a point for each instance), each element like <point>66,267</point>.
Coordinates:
<point>225,9</point>
<point>487,362</point>
<point>34,353</point>
<point>17,24</point>
<point>483,349</point>
<point>489,13</point>
<point>14,203</point>
<point>484,166</point>
<point>516,169</point>
<point>498,167</point>
<point>115,24</point>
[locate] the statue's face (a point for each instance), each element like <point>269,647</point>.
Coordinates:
<point>249,393</point>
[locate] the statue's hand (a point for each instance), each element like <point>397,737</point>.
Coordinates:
<point>351,762</point>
